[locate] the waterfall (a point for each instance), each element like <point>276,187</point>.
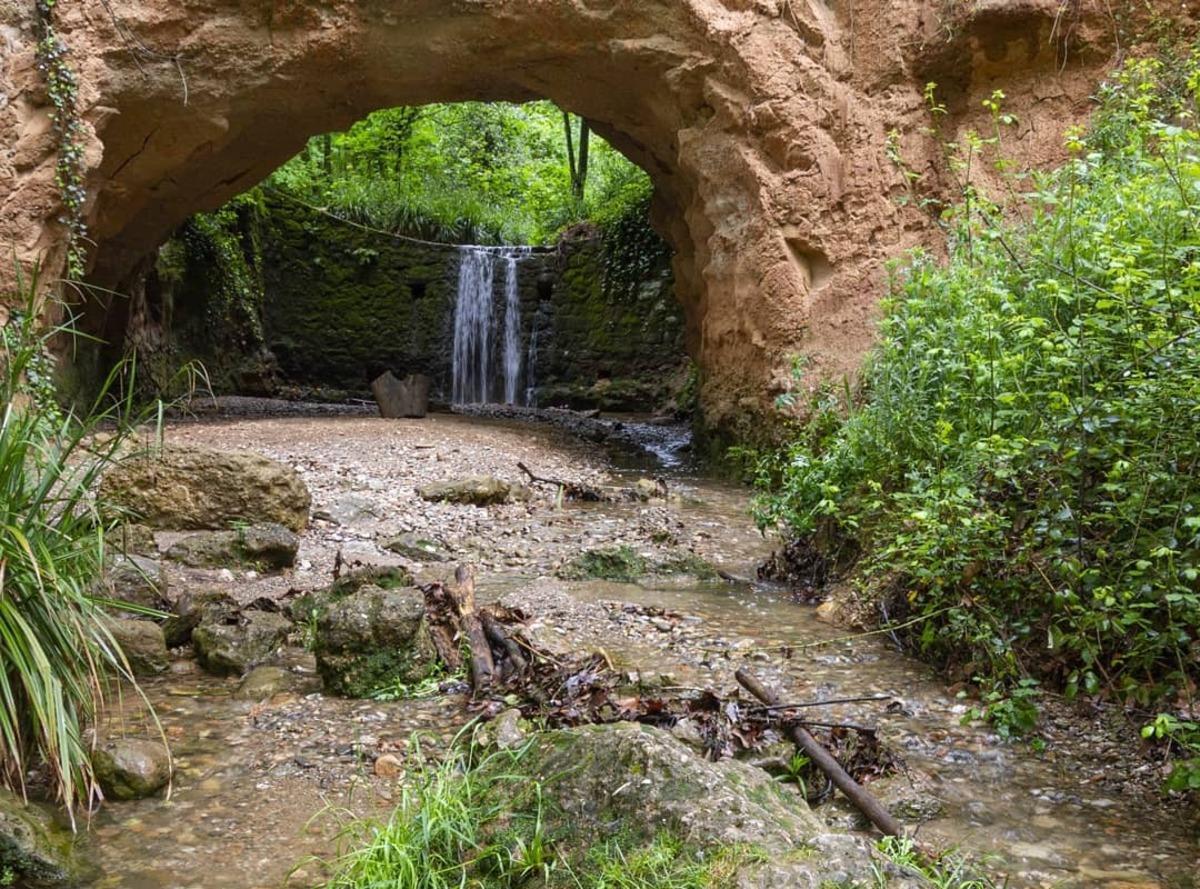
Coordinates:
<point>482,367</point>
<point>512,325</point>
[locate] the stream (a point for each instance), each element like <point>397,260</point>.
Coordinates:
<point>262,789</point>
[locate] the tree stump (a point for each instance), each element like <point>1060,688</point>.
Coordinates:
<point>398,399</point>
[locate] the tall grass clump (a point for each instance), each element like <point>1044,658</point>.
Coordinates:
<point>55,653</point>
<point>1021,474</point>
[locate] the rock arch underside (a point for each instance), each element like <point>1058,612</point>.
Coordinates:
<point>763,123</point>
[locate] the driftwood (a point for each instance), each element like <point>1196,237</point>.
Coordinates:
<point>483,666</point>
<point>855,792</point>
<point>571,490</point>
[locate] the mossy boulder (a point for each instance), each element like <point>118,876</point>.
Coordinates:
<point>624,564</point>
<point>639,780</point>
<point>40,853</point>
<point>314,603</point>
<point>132,768</point>
<point>187,488</point>
<point>266,547</point>
<point>231,644</point>
<point>371,639</point>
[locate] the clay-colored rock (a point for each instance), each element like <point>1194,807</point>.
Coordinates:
<point>193,488</point>
<point>143,644</point>
<point>475,490</point>
<point>389,767</point>
<point>763,124</point>
<point>132,768</point>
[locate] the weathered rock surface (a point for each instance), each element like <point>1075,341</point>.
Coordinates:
<point>193,488</point>
<point>132,768</point>
<point>191,608</point>
<point>400,399</point>
<point>269,547</point>
<point>476,490</point>
<point>764,125</point>
<point>648,782</point>
<point>40,854</point>
<point>232,644</point>
<point>136,580</point>
<point>144,645</point>
<point>371,638</point>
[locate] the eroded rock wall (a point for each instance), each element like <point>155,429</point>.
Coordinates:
<point>764,124</point>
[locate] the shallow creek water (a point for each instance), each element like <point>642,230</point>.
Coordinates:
<point>259,786</point>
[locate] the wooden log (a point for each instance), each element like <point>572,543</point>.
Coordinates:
<point>500,638</point>
<point>442,619</point>
<point>823,759</point>
<point>483,667</point>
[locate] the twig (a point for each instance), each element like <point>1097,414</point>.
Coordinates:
<point>774,707</point>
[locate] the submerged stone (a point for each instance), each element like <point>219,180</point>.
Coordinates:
<point>263,683</point>
<point>38,852</point>
<point>132,768</point>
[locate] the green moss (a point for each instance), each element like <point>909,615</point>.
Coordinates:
<point>618,563</point>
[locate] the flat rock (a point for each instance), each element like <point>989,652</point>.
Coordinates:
<point>265,547</point>
<point>191,488</point>
<point>132,768</point>
<point>263,683</point>
<point>415,548</point>
<point>476,490</point>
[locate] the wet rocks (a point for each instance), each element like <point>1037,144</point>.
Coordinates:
<point>132,768</point>
<point>233,643</point>
<point>189,488</point>
<point>191,608</point>
<point>371,639</point>
<point>263,683</point>
<point>34,848</point>
<point>265,547</point>
<point>136,580</point>
<point>624,564</point>
<point>143,643</point>
<point>476,490</point>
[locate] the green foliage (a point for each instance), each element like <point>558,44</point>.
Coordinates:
<point>55,650</point>
<point>482,823</point>
<point>948,871</point>
<point>467,172</point>
<point>1182,737</point>
<point>1022,473</point>
<point>62,87</point>
<point>621,563</point>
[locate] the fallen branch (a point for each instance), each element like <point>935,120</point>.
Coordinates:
<point>571,490</point>
<point>483,667</point>
<point>823,759</point>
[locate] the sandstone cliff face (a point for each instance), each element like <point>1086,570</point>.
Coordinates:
<point>764,124</point>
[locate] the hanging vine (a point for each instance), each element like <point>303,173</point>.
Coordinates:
<point>62,86</point>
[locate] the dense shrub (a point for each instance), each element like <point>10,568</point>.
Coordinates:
<point>1022,472</point>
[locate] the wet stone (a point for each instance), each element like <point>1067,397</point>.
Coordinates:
<point>233,644</point>
<point>132,768</point>
<point>143,644</point>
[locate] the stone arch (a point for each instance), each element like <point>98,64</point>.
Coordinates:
<point>761,122</point>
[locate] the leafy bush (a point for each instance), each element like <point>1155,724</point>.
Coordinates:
<point>55,651</point>
<point>1023,473</point>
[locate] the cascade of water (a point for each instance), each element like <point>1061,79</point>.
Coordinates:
<point>472,326</point>
<point>512,324</point>
<point>475,358</point>
<point>531,368</point>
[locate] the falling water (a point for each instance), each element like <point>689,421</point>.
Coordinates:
<point>512,325</point>
<point>477,356</point>
<point>530,368</point>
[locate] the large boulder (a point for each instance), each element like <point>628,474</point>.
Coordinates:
<point>267,547</point>
<point>232,643</point>
<point>398,399</point>
<point>649,783</point>
<point>144,645</point>
<point>38,852</point>
<point>373,638</point>
<point>475,490</point>
<point>132,768</point>
<point>191,488</point>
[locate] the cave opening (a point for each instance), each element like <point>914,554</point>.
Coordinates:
<point>504,251</point>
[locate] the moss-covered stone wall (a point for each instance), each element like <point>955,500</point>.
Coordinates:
<point>324,305</point>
